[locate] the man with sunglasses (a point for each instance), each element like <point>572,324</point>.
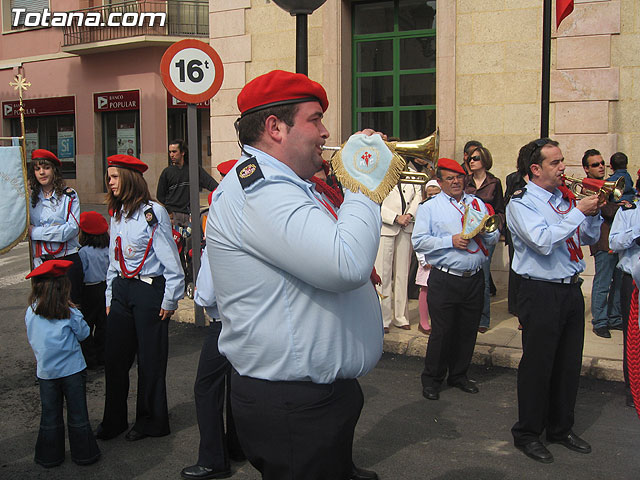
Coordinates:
<point>605,293</point>
<point>548,227</point>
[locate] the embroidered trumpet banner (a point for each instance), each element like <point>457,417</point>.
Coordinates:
<point>13,198</point>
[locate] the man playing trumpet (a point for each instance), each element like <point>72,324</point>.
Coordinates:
<point>456,283</point>
<point>548,227</point>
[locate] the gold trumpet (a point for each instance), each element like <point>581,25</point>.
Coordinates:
<point>592,186</point>
<point>424,148</point>
<point>492,224</point>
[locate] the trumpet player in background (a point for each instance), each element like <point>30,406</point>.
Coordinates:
<point>456,282</point>
<point>605,293</point>
<point>548,226</point>
<point>394,252</point>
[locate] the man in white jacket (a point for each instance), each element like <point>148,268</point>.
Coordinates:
<point>394,252</point>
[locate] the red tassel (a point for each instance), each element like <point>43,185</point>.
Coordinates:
<point>633,350</point>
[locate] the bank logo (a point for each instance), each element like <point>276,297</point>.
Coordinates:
<point>102,102</point>
<point>8,109</point>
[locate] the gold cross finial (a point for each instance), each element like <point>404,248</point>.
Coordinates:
<point>20,83</point>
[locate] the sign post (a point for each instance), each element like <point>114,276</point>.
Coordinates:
<point>192,72</point>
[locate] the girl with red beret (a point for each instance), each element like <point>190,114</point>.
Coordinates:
<point>145,280</point>
<point>54,213</point>
<point>55,328</point>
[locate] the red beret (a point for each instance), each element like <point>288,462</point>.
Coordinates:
<point>127,161</point>
<point>280,88</point>
<point>93,223</point>
<point>452,165</point>
<point>42,154</point>
<point>51,268</point>
<point>225,167</point>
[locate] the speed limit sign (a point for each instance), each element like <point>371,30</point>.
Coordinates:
<point>191,71</point>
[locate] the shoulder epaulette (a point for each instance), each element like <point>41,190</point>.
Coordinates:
<point>69,191</point>
<point>249,172</point>
<point>628,206</point>
<point>519,193</point>
<point>150,216</point>
<point>427,199</point>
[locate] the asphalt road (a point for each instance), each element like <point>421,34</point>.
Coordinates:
<point>400,434</point>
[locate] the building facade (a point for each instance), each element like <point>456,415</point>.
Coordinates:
<point>473,68</point>
<point>96,91</point>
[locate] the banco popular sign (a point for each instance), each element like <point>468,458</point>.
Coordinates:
<point>116,101</point>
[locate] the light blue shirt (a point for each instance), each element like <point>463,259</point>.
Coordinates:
<point>540,233</point>
<point>437,221</point>
<point>95,263</point>
<point>205,295</point>
<point>292,282</point>
<point>56,343</point>
<point>53,227</point>
<point>163,256</point>
<point>624,231</point>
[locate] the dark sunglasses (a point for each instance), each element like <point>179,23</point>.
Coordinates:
<point>600,164</point>
<point>475,159</point>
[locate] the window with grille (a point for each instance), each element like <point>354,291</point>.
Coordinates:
<point>394,67</point>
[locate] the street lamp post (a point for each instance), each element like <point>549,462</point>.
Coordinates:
<point>300,9</point>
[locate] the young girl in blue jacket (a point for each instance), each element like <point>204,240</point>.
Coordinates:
<point>55,329</point>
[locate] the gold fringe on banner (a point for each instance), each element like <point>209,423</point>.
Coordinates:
<point>388,183</point>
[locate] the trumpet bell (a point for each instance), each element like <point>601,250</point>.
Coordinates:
<point>616,188</point>
<point>492,224</point>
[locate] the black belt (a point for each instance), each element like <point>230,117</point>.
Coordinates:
<point>142,278</point>
<point>575,278</point>
<point>458,273</point>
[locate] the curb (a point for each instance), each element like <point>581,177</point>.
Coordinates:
<point>486,355</point>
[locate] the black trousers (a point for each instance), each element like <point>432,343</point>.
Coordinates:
<point>626,289</point>
<point>297,430</point>
<point>455,307</point>
<point>134,328</point>
<point>95,315</point>
<point>513,285</point>
<point>76,275</point>
<point>552,317</point>
<point>214,374</point>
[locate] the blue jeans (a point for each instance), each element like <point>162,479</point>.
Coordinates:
<point>50,444</point>
<point>486,270</point>
<point>605,294</point>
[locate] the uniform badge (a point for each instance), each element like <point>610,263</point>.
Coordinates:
<point>627,205</point>
<point>129,251</point>
<point>519,193</point>
<point>150,216</point>
<point>69,191</point>
<point>249,172</point>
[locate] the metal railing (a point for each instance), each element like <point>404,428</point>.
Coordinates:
<point>183,19</point>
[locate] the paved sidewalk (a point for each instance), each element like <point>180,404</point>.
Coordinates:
<point>501,346</point>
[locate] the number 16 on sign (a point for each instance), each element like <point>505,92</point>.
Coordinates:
<point>191,71</point>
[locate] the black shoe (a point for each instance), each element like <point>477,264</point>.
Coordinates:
<point>573,442</point>
<point>537,451</point>
<point>134,435</point>
<point>102,434</point>
<point>629,400</point>
<point>465,385</point>
<point>431,393</point>
<point>602,332</point>
<point>362,474</point>
<point>200,472</point>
